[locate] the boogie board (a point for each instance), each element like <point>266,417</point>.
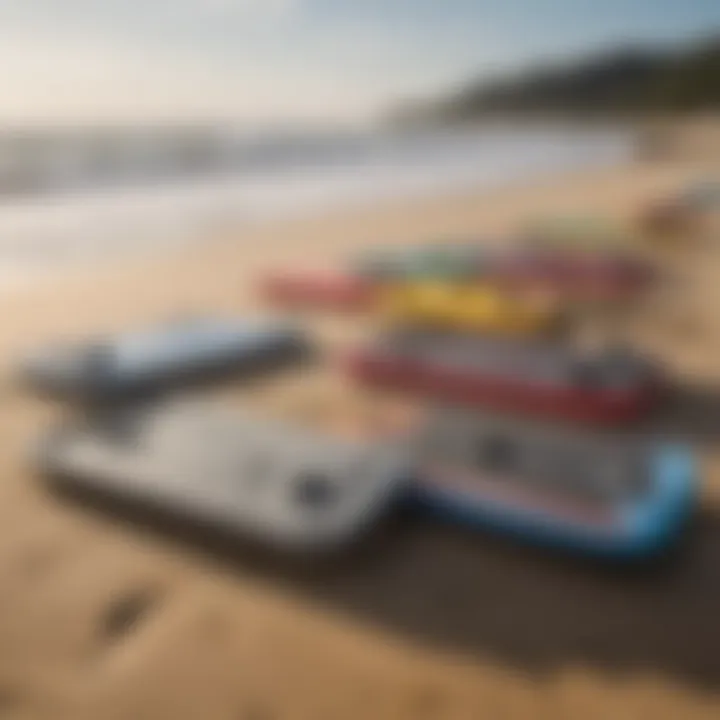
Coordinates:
<point>600,276</point>
<point>470,308</point>
<point>614,498</point>
<point>161,356</point>
<point>284,487</point>
<point>460,260</point>
<point>543,379</point>
<point>331,290</point>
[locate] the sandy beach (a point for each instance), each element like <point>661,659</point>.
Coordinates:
<point>103,619</point>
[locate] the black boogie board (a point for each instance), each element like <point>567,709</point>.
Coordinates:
<point>161,357</point>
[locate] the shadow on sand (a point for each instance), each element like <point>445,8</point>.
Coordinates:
<point>484,596</point>
<point>458,590</point>
<point>689,413</point>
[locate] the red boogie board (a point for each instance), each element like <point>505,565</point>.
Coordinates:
<point>592,277</point>
<point>544,380</point>
<point>333,290</point>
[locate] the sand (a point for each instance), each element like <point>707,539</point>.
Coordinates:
<point>104,618</point>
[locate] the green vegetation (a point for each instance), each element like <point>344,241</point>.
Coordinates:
<point>628,81</point>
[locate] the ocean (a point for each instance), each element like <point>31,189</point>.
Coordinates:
<point>77,206</point>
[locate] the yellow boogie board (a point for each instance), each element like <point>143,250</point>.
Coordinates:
<point>468,308</point>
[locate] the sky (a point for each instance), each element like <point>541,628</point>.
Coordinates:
<point>268,60</point>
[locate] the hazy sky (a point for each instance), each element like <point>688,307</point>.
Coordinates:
<point>258,59</point>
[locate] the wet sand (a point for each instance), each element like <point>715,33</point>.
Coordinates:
<point>106,617</point>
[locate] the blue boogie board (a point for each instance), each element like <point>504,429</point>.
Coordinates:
<point>286,488</point>
<point>614,499</point>
<point>162,356</point>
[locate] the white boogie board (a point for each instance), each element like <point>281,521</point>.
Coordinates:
<point>284,487</point>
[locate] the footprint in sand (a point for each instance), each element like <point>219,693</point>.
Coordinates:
<point>9,701</point>
<point>125,613</point>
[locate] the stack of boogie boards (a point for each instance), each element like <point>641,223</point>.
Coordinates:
<point>542,379</point>
<point>610,498</point>
<point>161,357</point>
<point>285,488</point>
<point>298,490</point>
<point>617,498</point>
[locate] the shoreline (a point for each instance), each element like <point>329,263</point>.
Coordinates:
<point>497,217</point>
<point>70,230</point>
<point>222,231</point>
